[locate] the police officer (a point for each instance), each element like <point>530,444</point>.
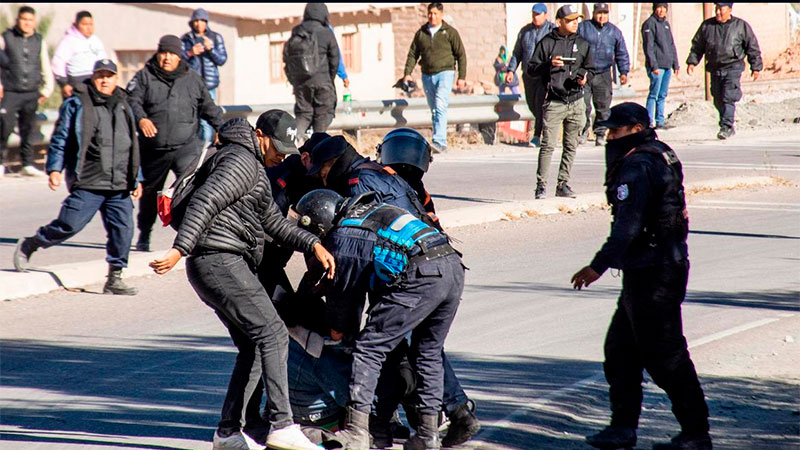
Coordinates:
<point>725,40</point>
<point>644,185</point>
<point>392,264</point>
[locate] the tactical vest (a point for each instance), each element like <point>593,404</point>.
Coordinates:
<point>24,71</point>
<point>402,239</point>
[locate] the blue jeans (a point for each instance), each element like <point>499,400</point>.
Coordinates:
<point>437,91</point>
<point>116,209</point>
<point>318,388</point>
<point>206,130</point>
<point>659,86</point>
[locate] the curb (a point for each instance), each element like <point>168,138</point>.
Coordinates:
<point>40,280</point>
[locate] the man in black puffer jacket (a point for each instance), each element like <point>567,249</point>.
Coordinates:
<point>223,231</point>
<point>168,100</point>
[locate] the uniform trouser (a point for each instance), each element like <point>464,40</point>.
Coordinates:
<point>156,165</point>
<point>19,107</point>
<point>229,286</point>
<point>425,306</point>
<point>573,116</point>
<point>646,332</point>
<point>78,209</point>
<point>315,106</point>
<point>726,90</point>
<point>535,93</point>
<point>598,93</point>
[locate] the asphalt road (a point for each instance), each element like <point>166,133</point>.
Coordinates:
<point>88,371</point>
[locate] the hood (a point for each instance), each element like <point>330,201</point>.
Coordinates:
<point>558,35</point>
<point>73,32</point>
<point>238,131</point>
<point>316,11</point>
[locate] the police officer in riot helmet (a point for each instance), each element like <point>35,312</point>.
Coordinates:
<point>374,256</point>
<point>644,185</point>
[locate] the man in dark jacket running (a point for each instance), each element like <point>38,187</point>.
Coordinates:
<point>168,101</point>
<point>535,90</point>
<point>725,41</point>
<point>660,57</point>
<point>311,56</point>
<point>95,141</point>
<point>564,61</point>
<point>223,232</point>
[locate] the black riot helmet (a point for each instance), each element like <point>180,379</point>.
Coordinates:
<point>405,146</point>
<point>316,211</point>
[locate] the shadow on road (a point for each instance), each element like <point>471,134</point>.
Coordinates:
<point>172,388</point>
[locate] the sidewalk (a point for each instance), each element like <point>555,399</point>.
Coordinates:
<point>74,276</point>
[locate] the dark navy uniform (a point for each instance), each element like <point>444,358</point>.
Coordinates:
<point>648,243</point>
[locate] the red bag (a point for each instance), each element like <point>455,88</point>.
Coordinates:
<point>171,202</point>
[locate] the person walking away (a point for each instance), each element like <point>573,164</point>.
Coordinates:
<point>535,89</point>
<point>226,222</point>
<point>608,48</point>
<point>25,82</point>
<point>644,185</point>
<point>660,57</point>
<point>311,59</point>
<point>725,40</point>
<point>168,101</point>
<point>204,52</point>
<point>500,71</point>
<point>564,61</point>
<point>76,53</point>
<point>95,142</point>
<point>438,47</point>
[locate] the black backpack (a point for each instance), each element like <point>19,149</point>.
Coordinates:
<point>172,201</point>
<point>301,55</point>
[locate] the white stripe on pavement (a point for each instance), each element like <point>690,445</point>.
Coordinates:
<point>743,208</point>
<point>591,163</point>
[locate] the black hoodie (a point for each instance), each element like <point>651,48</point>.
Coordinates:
<point>562,81</point>
<point>315,21</point>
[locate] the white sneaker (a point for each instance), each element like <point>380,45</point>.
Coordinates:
<point>31,171</point>
<point>2,170</point>
<point>236,441</point>
<point>290,438</point>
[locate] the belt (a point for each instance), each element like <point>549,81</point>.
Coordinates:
<point>439,251</point>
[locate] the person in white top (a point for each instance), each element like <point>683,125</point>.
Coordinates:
<point>76,54</point>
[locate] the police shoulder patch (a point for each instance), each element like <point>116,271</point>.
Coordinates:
<point>622,192</point>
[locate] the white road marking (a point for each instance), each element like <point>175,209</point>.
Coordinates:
<point>743,208</point>
<point>742,202</point>
<point>593,163</point>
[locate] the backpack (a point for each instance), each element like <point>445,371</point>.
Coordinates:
<point>301,55</point>
<point>172,201</point>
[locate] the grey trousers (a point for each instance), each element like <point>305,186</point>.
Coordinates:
<point>573,117</point>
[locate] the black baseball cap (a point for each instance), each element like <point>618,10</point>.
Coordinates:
<point>729,5</point>
<point>281,127</point>
<point>332,147</point>
<point>104,64</point>
<point>626,114</point>
<point>568,12</point>
<point>601,7</point>
<point>312,142</point>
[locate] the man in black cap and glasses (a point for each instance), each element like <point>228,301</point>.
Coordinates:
<point>644,185</point>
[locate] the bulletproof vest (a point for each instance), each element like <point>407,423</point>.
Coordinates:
<point>668,219</point>
<point>401,237</point>
<point>24,72</point>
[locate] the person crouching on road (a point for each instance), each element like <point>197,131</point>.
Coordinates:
<point>223,231</point>
<point>644,185</point>
<point>95,141</point>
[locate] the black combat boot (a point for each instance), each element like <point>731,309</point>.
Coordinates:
<point>686,441</point>
<point>381,432</point>
<point>563,190</point>
<point>22,253</point>
<point>143,243</point>
<point>115,285</point>
<point>463,425</point>
<point>355,435</point>
<point>612,437</point>
<point>427,435</point>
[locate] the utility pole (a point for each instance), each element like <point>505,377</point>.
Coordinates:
<point>708,12</point>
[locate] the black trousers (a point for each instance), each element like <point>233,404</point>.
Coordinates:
<point>726,89</point>
<point>598,93</point>
<point>535,93</point>
<point>315,106</point>
<point>646,332</point>
<point>155,166</point>
<point>18,108</point>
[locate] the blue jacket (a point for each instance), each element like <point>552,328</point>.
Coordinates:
<point>206,64</point>
<point>341,72</point>
<point>527,38</point>
<point>608,46</point>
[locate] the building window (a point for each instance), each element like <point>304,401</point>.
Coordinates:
<point>130,62</point>
<point>276,73</point>
<point>351,52</point>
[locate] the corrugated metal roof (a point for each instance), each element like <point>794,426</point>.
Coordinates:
<point>277,11</point>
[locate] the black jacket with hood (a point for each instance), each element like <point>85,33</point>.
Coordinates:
<point>315,21</point>
<point>562,82</point>
<point>232,209</point>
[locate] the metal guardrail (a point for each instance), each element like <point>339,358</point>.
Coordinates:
<point>412,112</point>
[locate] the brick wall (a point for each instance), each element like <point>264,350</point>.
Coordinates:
<point>481,27</point>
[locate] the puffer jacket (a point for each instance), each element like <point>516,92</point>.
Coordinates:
<point>232,209</point>
<point>608,46</point>
<point>206,64</point>
<point>725,45</point>
<point>527,39</point>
